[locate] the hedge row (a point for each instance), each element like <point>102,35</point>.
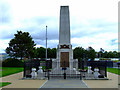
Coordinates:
<point>12,62</point>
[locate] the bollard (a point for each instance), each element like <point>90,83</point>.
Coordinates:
<point>64,75</point>
<point>80,77</point>
<point>48,74</point>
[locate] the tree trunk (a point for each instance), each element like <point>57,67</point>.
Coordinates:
<point>21,56</point>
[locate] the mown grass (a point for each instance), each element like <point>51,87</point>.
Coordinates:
<point>4,84</point>
<point>9,70</point>
<point>114,70</point>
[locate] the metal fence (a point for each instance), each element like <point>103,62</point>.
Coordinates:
<point>50,69</point>
<point>102,66</point>
<point>54,70</point>
<point>28,65</point>
<point>64,70</point>
<point>82,64</point>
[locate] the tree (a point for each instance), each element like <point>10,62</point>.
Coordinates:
<point>79,52</point>
<point>49,53</point>
<point>41,52</point>
<point>91,54</point>
<point>21,45</point>
<point>105,55</point>
<point>53,51</point>
<point>111,54</point>
<point>34,53</point>
<point>115,54</point>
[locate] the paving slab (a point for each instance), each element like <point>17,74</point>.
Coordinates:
<point>67,83</point>
<point>17,82</point>
<point>111,83</point>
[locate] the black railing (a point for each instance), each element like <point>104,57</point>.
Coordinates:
<point>28,65</point>
<point>48,66</point>
<point>102,66</point>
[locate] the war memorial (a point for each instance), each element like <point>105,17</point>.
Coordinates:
<point>64,71</point>
<point>64,66</point>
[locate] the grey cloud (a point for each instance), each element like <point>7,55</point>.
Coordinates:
<point>96,23</point>
<point>112,42</point>
<point>37,27</point>
<point>38,33</point>
<point>43,43</point>
<point>42,36</point>
<point>5,16</point>
<point>39,20</point>
<point>83,30</point>
<point>7,36</point>
<point>7,33</point>
<point>39,42</point>
<point>101,23</point>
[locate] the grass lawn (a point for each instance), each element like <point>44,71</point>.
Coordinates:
<point>113,70</point>
<point>9,70</point>
<point>4,84</point>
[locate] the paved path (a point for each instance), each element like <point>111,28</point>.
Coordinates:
<point>16,81</point>
<point>112,83</point>
<point>68,83</point>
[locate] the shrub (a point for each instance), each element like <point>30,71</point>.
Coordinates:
<point>43,67</point>
<point>12,62</point>
<point>79,59</point>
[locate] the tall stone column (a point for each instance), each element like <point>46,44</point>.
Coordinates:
<point>64,27</point>
<point>64,51</point>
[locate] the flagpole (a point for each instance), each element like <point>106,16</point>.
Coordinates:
<point>46,42</point>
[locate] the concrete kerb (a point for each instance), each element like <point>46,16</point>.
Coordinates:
<point>43,84</point>
<point>85,84</point>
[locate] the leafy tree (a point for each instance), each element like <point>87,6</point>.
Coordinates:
<point>79,52</point>
<point>91,54</point>
<point>53,53</point>
<point>34,53</point>
<point>111,54</point>
<point>41,52</point>
<point>21,45</point>
<point>105,55</point>
<point>49,53</point>
<point>115,54</point>
<point>100,54</point>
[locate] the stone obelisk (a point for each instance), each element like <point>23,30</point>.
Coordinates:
<point>64,27</point>
<point>64,50</point>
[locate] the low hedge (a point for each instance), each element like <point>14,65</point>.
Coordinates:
<point>12,62</point>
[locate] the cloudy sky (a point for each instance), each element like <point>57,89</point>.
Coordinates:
<point>93,22</point>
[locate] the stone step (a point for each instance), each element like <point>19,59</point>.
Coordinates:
<point>60,71</point>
